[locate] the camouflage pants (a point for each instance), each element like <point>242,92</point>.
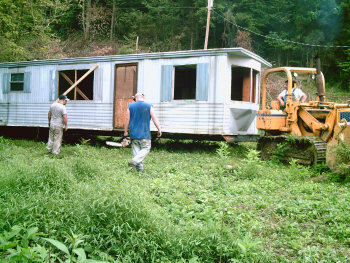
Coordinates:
<point>55,139</point>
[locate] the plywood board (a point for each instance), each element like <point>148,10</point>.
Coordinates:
<point>121,105</point>
<point>125,88</point>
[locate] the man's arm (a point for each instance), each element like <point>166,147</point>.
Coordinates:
<point>65,119</point>
<point>49,117</point>
<point>156,123</point>
<point>303,98</point>
<point>126,124</point>
<point>280,99</point>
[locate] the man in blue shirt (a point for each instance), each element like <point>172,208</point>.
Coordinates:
<point>137,126</point>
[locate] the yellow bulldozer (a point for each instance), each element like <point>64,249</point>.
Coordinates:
<point>309,129</point>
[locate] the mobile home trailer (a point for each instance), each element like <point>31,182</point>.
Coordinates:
<point>199,92</point>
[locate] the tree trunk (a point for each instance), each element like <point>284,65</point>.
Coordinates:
<point>87,20</point>
<point>112,22</point>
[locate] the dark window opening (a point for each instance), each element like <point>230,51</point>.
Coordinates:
<point>83,91</point>
<point>17,82</point>
<point>185,82</point>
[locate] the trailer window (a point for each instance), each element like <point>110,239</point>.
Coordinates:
<point>185,82</point>
<point>17,82</point>
<point>243,84</point>
<point>83,91</point>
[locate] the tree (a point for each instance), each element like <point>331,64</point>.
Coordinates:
<point>112,22</point>
<point>342,59</point>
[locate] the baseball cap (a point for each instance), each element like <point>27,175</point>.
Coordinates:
<point>63,97</point>
<point>139,94</point>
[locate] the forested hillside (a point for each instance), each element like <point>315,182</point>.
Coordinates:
<point>283,32</point>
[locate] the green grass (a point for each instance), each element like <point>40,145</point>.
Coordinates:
<point>187,206</point>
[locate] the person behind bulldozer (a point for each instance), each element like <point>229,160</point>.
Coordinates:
<point>297,94</point>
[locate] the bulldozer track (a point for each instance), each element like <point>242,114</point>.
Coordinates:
<point>305,150</point>
<point>321,148</point>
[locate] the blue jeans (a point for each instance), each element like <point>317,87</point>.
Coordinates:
<point>140,149</point>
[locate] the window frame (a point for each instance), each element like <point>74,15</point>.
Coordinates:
<point>248,81</point>
<point>201,82</point>
<point>192,67</point>
<point>16,82</point>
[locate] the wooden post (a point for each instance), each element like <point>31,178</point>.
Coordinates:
<point>75,80</point>
<point>137,43</point>
<point>208,24</point>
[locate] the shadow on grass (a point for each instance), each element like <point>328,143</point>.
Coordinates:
<point>198,146</point>
<point>177,145</point>
<point>84,138</point>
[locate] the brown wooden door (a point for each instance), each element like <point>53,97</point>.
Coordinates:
<point>125,87</point>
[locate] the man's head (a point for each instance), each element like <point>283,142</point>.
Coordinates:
<point>63,98</point>
<point>139,96</point>
<point>294,82</point>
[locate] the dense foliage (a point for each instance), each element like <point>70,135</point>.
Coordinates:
<point>187,206</point>
<point>283,32</point>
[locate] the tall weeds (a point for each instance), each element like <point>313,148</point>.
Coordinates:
<point>89,205</point>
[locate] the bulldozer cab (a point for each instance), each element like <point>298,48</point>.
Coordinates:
<point>291,84</point>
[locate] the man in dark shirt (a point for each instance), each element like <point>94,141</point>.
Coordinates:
<point>137,126</point>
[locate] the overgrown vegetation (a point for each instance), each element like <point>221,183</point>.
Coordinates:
<point>342,152</point>
<point>187,206</point>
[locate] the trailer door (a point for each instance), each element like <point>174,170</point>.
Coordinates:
<point>125,87</point>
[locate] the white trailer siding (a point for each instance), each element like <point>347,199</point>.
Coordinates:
<point>211,112</point>
<point>190,118</point>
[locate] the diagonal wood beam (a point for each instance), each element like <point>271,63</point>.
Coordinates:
<point>82,94</point>
<point>66,78</point>
<point>80,80</point>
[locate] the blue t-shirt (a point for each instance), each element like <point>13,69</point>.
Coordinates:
<point>140,118</point>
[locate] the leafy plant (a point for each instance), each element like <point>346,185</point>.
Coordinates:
<point>19,245</point>
<point>342,158</point>
<point>223,150</point>
<point>73,253</point>
<point>282,148</point>
<point>250,167</point>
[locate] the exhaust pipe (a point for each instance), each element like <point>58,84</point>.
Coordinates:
<point>319,80</point>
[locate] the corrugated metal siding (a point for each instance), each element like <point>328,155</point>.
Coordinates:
<point>97,116</point>
<point>80,116</point>
<point>3,113</point>
<point>190,117</point>
<point>26,114</point>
